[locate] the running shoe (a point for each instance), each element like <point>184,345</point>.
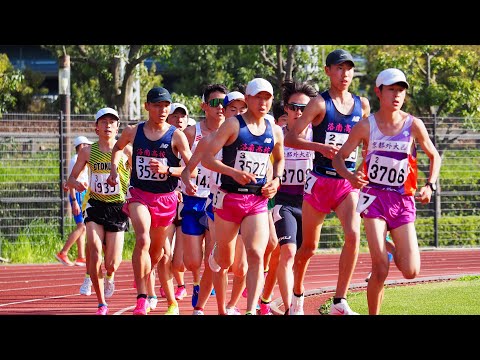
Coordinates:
<point>211,261</point>
<point>141,308</point>
<point>86,287</point>
<point>63,258</point>
<point>198,312</point>
<point>341,308</point>
<point>152,303</point>
<point>109,287</point>
<point>180,293</point>
<point>196,290</point>
<point>265,309</point>
<point>162,293</point>
<point>173,310</point>
<point>102,310</point>
<point>233,311</point>
<point>81,262</point>
<point>297,305</point>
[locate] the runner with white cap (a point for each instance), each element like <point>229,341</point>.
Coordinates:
<point>246,141</point>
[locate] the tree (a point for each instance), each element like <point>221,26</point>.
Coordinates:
<point>443,75</point>
<point>110,69</point>
<point>10,81</point>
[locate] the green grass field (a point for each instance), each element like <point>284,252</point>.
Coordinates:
<point>456,297</point>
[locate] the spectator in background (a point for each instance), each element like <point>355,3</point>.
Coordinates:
<point>76,201</point>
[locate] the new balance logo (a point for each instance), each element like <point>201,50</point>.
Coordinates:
<point>268,140</point>
<point>164,146</point>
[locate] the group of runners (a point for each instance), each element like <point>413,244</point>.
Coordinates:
<point>238,192</point>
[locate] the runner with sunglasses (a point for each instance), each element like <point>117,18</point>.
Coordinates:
<point>195,225</point>
<point>332,114</point>
<point>287,212</point>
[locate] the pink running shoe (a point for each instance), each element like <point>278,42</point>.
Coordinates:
<point>102,310</point>
<point>141,308</point>
<point>265,309</point>
<point>180,293</point>
<point>162,293</point>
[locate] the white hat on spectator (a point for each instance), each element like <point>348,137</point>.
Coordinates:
<point>191,121</point>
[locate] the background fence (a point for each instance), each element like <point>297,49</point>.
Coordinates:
<point>35,151</point>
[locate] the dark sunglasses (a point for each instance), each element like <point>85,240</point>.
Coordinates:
<point>295,107</point>
<point>215,102</point>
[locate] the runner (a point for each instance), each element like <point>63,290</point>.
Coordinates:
<point>389,180</point>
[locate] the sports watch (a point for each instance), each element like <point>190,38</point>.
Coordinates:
<point>432,186</point>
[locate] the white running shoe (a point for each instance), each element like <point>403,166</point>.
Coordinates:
<point>297,305</point>
<point>109,287</point>
<point>211,261</point>
<point>152,302</point>
<point>86,287</point>
<point>233,311</point>
<point>198,312</point>
<point>341,308</point>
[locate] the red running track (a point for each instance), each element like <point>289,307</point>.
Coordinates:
<point>52,289</point>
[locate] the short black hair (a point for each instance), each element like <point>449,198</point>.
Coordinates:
<point>278,109</point>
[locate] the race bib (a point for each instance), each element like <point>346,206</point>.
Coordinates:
<point>218,199</point>
<point>387,171</point>
<point>338,139</point>
<point>252,162</point>
<point>364,201</point>
<point>202,181</point>
<point>99,185</point>
<point>311,179</point>
<point>296,171</point>
<point>145,173</point>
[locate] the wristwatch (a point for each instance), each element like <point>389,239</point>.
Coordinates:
<point>432,186</point>
<point>169,172</point>
<point>279,179</point>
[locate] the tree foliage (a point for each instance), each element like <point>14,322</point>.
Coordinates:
<point>113,67</point>
<point>446,76</point>
<point>10,82</point>
<point>440,75</point>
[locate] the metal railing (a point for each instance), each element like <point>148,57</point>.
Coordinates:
<point>32,157</point>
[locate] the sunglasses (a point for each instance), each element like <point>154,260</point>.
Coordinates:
<point>215,102</point>
<point>295,107</point>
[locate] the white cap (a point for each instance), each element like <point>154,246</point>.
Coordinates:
<point>191,121</point>
<point>176,106</point>
<point>232,96</point>
<point>390,77</point>
<point>257,85</point>
<point>105,111</point>
<point>81,140</point>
